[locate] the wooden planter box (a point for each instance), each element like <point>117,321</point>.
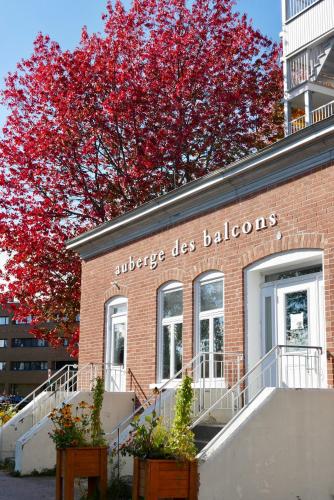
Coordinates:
<point>81,462</point>
<point>154,479</point>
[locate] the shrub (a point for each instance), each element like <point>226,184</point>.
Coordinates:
<point>151,439</point>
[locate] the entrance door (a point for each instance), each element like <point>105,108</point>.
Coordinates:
<point>115,345</point>
<point>298,329</point>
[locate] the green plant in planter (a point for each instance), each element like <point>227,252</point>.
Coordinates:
<point>146,440</point>
<point>97,434</point>
<point>181,441</point>
<point>151,439</point>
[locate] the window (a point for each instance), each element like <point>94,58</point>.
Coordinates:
<point>3,343</point>
<point>29,365</point>
<point>283,275</point>
<point>115,343</point>
<point>209,290</point>
<point>4,320</point>
<point>23,321</point>
<point>170,330</point>
<point>116,331</point>
<point>29,342</point>
<point>3,366</point>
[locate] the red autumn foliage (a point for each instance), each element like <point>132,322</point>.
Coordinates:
<point>166,94</point>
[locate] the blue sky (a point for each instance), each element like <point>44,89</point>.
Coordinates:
<point>21,20</point>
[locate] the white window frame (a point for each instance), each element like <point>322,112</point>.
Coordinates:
<point>203,279</point>
<point>172,320</point>
<point>109,331</point>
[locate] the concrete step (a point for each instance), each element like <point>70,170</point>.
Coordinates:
<point>204,433</point>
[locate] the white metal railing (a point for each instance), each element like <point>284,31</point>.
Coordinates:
<point>214,371</point>
<point>297,124</point>
<point>317,115</point>
<point>63,374</point>
<point>114,377</point>
<point>294,7</point>
<point>323,112</point>
<point>53,392</point>
<point>57,389</point>
<point>69,379</point>
<point>284,366</point>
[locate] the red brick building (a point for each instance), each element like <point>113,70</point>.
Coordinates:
<point>238,261</point>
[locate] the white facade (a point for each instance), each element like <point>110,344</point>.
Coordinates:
<point>308,62</point>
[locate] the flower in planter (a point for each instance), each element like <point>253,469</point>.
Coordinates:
<point>69,429</point>
<point>81,425</point>
<point>6,413</point>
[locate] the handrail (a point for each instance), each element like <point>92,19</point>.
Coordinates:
<point>292,346</point>
<point>158,391</point>
<point>133,377</point>
<point>46,383</point>
<point>247,375</point>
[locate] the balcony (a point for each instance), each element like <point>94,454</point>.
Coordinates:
<point>308,64</point>
<point>316,116</point>
<point>294,7</point>
<point>307,21</point>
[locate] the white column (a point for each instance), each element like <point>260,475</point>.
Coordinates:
<point>308,107</point>
<point>287,117</point>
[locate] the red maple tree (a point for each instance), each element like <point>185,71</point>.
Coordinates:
<point>166,94</point>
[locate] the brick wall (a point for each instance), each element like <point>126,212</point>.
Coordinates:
<point>305,209</point>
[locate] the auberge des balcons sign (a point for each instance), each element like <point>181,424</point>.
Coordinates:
<point>225,234</point>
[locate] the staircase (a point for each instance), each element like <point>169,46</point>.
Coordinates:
<point>37,405</point>
<point>221,394</point>
<point>211,374</point>
<point>204,433</point>
<point>221,398</point>
<point>283,366</point>
<point>219,401</point>
<point>322,64</point>
<point>61,387</point>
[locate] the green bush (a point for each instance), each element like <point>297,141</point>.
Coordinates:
<point>151,439</point>
<point>181,443</point>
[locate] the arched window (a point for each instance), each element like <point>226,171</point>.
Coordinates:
<point>116,329</point>
<point>209,320</point>
<point>170,304</point>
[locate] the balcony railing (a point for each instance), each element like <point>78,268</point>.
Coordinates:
<point>293,7</point>
<point>302,66</point>
<point>323,112</point>
<point>317,115</point>
<point>297,124</point>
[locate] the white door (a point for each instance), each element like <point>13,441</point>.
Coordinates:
<point>299,330</point>
<point>116,346</point>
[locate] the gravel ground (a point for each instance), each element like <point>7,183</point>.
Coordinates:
<point>28,488</point>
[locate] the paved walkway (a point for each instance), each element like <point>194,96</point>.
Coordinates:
<point>28,488</point>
